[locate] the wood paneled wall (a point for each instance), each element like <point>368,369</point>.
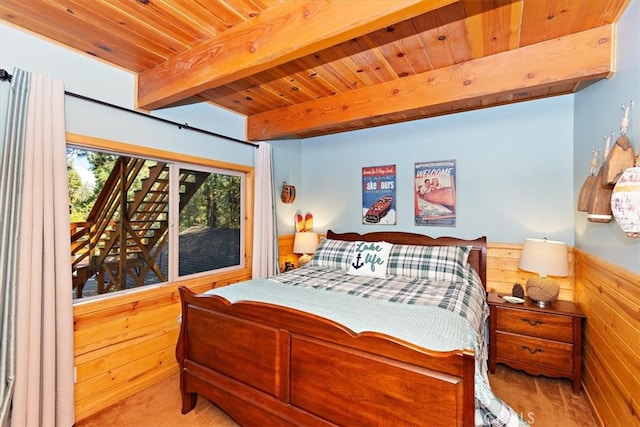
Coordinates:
<point>610,298</point>
<point>126,343</point>
<point>503,272</point>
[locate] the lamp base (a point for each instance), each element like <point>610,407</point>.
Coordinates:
<point>304,260</point>
<point>543,304</point>
<point>542,290</point>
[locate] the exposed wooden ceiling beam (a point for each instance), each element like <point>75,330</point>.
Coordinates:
<point>281,34</point>
<point>589,54</point>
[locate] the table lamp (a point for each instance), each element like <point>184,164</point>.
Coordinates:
<point>545,257</point>
<point>305,243</point>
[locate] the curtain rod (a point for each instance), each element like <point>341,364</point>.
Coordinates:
<point>5,76</point>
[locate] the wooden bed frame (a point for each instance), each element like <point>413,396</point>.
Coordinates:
<point>264,364</point>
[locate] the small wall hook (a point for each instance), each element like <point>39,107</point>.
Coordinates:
<point>624,124</point>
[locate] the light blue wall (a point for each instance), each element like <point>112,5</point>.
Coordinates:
<point>87,76</point>
<point>513,163</point>
<point>287,167</point>
<point>598,112</point>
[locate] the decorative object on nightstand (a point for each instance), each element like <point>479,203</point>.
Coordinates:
<point>545,257</point>
<point>517,291</point>
<point>288,266</point>
<point>305,243</point>
<point>539,341</point>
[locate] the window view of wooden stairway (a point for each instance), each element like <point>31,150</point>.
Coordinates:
<point>120,243</point>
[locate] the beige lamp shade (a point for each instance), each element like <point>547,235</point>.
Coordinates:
<point>547,258</point>
<point>305,243</point>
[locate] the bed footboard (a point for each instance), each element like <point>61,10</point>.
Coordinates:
<point>266,364</point>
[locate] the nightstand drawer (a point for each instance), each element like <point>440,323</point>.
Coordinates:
<point>535,351</point>
<point>541,325</point>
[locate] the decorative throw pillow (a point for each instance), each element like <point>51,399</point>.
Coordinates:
<point>370,259</point>
<point>333,254</point>
<point>438,263</point>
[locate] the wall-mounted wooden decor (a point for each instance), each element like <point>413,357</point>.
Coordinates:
<point>621,156</point>
<point>587,187</point>
<point>619,159</point>
<point>625,201</point>
<point>600,200</point>
<point>288,194</point>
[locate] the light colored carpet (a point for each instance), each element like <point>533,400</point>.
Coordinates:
<point>542,401</point>
<point>158,406</point>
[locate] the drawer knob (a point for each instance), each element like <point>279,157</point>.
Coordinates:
<point>532,323</point>
<point>532,351</point>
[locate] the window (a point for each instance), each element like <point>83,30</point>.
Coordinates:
<point>209,221</point>
<point>137,221</point>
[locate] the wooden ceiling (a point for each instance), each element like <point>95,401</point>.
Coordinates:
<point>304,68</point>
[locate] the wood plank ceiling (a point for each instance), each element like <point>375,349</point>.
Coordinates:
<point>305,68</point>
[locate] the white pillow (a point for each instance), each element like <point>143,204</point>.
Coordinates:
<point>370,259</point>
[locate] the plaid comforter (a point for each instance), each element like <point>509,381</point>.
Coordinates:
<point>466,298</point>
<point>463,297</point>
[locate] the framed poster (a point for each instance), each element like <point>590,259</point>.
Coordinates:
<point>379,195</point>
<point>435,193</point>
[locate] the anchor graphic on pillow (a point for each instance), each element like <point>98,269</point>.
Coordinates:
<point>357,264</point>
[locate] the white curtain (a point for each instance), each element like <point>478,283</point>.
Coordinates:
<point>10,194</point>
<point>44,391</point>
<point>265,241</point>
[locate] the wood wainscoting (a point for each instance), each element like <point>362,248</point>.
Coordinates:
<point>124,343</point>
<point>610,298</point>
<point>503,272</point>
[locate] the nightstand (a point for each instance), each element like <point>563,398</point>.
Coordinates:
<point>540,341</point>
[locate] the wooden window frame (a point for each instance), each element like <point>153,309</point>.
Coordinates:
<point>200,282</point>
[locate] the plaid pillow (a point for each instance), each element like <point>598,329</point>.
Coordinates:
<point>333,254</point>
<point>439,263</point>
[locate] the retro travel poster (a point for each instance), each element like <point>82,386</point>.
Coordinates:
<point>379,195</point>
<point>435,193</point>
